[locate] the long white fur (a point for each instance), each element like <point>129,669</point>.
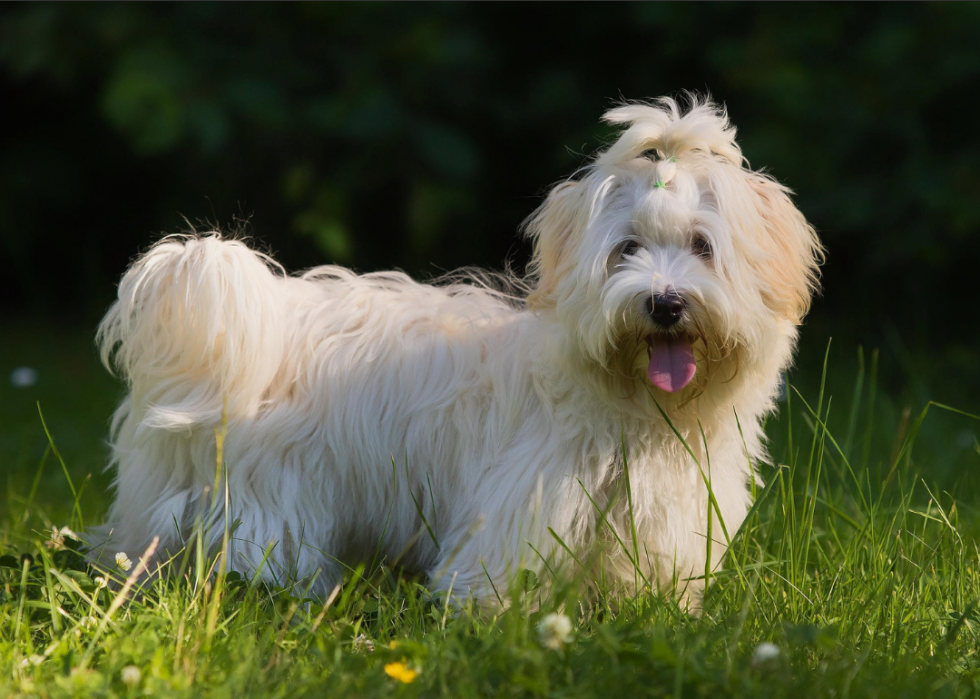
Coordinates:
<point>363,411</point>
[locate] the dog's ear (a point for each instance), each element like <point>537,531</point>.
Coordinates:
<point>552,228</point>
<point>792,267</point>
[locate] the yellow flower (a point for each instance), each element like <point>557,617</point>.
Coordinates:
<point>401,672</point>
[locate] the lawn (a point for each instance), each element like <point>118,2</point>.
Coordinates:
<point>855,575</point>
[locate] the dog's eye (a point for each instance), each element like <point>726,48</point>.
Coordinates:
<point>701,247</point>
<point>651,154</point>
<point>629,248</point>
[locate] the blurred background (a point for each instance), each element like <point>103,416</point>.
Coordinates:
<point>420,136</point>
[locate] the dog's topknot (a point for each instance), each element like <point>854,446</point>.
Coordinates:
<point>673,128</point>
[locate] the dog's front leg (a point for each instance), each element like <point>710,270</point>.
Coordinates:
<point>520,524</point>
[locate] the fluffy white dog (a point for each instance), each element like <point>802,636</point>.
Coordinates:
<point>461,430</point>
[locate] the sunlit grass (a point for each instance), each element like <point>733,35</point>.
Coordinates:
<point>853,564</point>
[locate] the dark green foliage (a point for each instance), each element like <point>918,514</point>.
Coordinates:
<point>419,136</point>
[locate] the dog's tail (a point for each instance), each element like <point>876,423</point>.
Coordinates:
<point>197,329</point>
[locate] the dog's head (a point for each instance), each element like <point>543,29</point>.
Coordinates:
<point>668,257</point>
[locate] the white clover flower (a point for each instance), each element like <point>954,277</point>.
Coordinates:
<point>23,377</point>
<point>555,630</point>
<point>123,562</point>
<point>87,623</point>
<point>33,660</point>
<point>100,582</point>
<point>362,642</point>
<point>58,536</point>
<point>56,542</point>
<point>131,675</point>
<point>764,654</point>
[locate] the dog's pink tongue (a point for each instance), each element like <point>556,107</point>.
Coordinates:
<point>672,363</point>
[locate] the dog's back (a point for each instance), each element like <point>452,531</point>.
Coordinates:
<point>333,388</point>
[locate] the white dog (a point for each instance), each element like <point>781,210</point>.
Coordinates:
<point>461,430</point>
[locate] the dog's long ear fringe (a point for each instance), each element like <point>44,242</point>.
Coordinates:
<point>195,324</point>
<point>551,228</point>
<point>793,269</point>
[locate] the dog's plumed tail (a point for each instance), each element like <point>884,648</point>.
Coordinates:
<point>196,330</point>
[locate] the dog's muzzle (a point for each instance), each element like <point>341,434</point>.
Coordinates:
<point>666,310</point>
<point>672,363</point>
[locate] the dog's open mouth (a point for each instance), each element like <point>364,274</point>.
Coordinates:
<point>672,364</point>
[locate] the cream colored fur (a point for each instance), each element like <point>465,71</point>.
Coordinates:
<point>353,402</point>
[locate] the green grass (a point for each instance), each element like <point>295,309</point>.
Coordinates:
<point>858,562</point>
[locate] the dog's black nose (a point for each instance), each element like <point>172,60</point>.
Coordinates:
<point>666,309</point>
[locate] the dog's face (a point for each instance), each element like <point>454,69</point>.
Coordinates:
<point>668,258</point>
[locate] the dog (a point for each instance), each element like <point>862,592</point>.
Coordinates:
<point>606,414</point>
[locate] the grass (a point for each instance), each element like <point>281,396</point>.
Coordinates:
<point>858,563</point>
